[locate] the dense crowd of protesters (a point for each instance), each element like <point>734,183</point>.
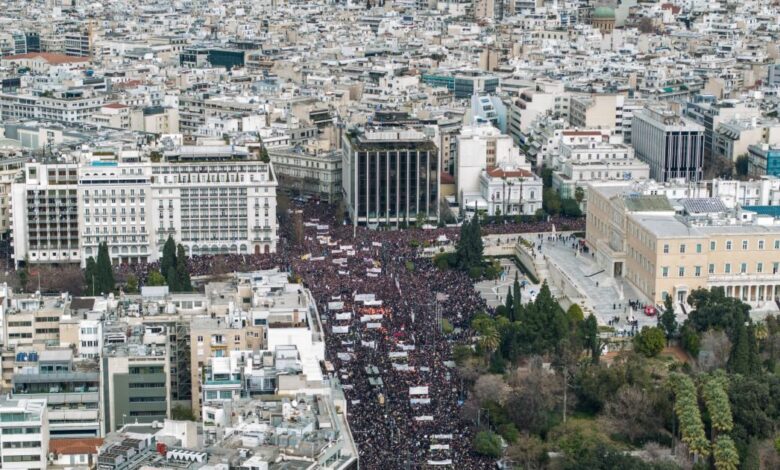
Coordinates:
<point>400,350</point>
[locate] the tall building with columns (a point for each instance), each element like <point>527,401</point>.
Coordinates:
<point>664,247</point>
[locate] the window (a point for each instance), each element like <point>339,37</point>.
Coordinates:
<point>761,244</point>
<point>682,247</point>
<point>666,248</point>
<point>777,244</point>
<point>727,268</point>
<point>759,267</point>
<point>775,267</point>
<point>744,244</point>
<point>712,246</point>
<point>665,271</point>
<point>711,269</point>
<point>743,268</point>
<point>698,248</point>
<point>697,271</point>
<point>681,271</point>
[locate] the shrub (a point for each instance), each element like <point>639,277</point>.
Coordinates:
<point>650,341</point>
<point>446,326</point>
<point>460,353</point>
<point>509,432</point>
<point>409,266</point>
<point>476,272</point>
<point>487,443</point>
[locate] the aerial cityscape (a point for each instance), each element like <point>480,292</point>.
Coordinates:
<point>390,234</point>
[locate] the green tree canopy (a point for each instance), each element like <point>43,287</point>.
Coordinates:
<point>650,341</point>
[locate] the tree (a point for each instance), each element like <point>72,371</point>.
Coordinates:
<point>570,208</point>
<point>182,273</point>
<point>535,399</point>
<point>172,279</point>
<point>168,260</point>
<point>551,201</point>
<point>717,401</point>
<point>528,452</point>
<point>24,273</point>
<point>741,165</point>
<point>104,272</point>
<point>182,413</point>
<point>725,453</point>
<point>420,220</point>
<point>155,279</point>
<point>650,341</point>
<point>487,443</point>
<point>668,320</point>
<point>341,209</point>
<point>547,175</point>
<point>690,339</point>
<point>470,247</point>
<point>131,284</point>
<point>579,194</point>
<point>631,413</point>
<point>264,157</point>
<point>714,351</point>
<point>90,273</point>
<point>739,360</point>
<point>590,333</point>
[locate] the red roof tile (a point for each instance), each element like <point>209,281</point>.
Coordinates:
<point>50,57</point>
<point>500,173</point>
<point>114,106</point>
<point>75,446</point>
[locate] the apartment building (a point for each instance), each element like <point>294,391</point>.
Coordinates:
<point>217,199</point>
<point>390,176</point>
<point>11,167</point>
<point>308,170</point>
<point>596,161</point>
<point>44,225</point>
<point>214,200</point>
<point>115,207</point>
<point>703,244</point>
<point>70,391</point>
<point>134,375</point>
<point>24,434</point>
<point>70,106</point>
<point>673,146</point>
<point>482,146</point>
<point>211,337</point>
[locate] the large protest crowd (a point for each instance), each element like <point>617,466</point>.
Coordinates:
<point>383,334</point>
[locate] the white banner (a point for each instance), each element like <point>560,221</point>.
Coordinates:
<point>394,354</point>
<point>440,447</point>
<point>403,367</point>
<point>421,390</point>
<point>407,347</point>
<point>340,329</point>
<point>344,356</point>
<point>372,275</point>
<point>344,316</point>
<point>373,326</point>
<point>441,436</point>
<point>420,401</point>
<point>364,297</point>
<point>376,244</point>
<point>335,305</point>
<point>440,462</point>
<point>423,418</point>
<point>368,318</point>
<point>368,344</point>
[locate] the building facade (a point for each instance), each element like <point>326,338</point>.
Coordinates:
<point>671,145</point>
<point>390,176</point>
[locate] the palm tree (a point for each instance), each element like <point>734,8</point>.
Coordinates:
<point>509,208</point>
<point>489,339</point>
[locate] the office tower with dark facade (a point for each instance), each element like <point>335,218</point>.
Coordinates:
<point>673,146</point>
<point>390,176</point>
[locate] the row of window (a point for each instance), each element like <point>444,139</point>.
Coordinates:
<point>729,246</point>
<point>743,269</point>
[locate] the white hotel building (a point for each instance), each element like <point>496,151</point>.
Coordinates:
<point>24,434</point>
<point>212,200</point>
